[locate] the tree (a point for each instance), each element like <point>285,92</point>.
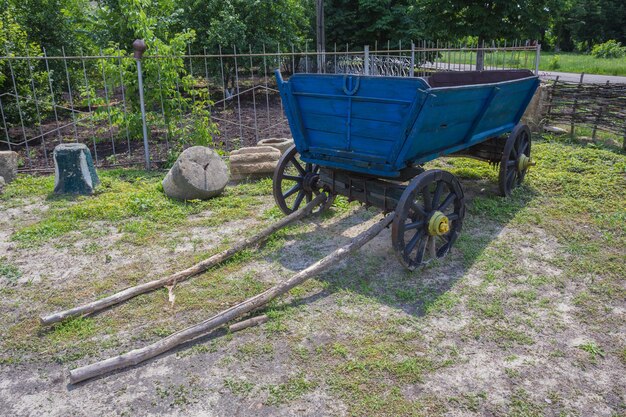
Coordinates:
<point>55,24</point>
<point>589,22</point>
<point>364,22</point>
<point>245,23</point>
<point>488,20</point>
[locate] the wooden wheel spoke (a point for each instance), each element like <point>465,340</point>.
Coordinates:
<point>452,217</point>
<point>292,190</point>
<point>418,209</point>
<point>524,148</point>
<point>296,164</point>
<point>437,194</point>
<point>432,246</point>
<point>449,199</point>
<point>428,201</point>
<point>411,245</point>
<point>292,178</point>
<point>309,197</point>
<point>415,225</point>
<point>298,200</point>
<point>511,163</point>
<point>420,251</point>
<point>510,176</point>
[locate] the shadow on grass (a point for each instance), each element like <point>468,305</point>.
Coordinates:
<point>375,274</point>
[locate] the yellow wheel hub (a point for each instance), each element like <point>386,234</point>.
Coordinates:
<point>524,162</point>
<point>438,224</point>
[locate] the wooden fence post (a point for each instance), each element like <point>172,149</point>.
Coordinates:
<point>573,121</point>
<point>556,80</point>
<point>598,116</point>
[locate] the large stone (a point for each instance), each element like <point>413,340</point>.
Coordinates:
<point>253,162</point>
<point>282,144</point>
<point>8,165</point>
<point>198,173</point>
<point>74,172</point>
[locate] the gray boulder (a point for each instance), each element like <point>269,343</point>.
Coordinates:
<point>74,172</point>
<point>282,144</point>
<point>198,173</point>
<point>2,184</point>
<point>8,165</point>
<point>253,162</point>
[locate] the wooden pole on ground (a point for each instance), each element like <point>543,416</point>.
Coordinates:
<point>137,356</point>
<point>187,273</point>
<point>254,321</point>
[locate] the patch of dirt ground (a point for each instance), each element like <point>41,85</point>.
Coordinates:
<point>496,328</point>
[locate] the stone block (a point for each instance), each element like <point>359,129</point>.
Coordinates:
<point>198,173</point>
<point>74,172</point>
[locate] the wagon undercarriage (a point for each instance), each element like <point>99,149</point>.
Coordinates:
<point>429,205</point>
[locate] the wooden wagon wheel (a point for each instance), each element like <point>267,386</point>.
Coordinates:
<point>515,159</point>
<point>428,218</point>
<point>295,182</point>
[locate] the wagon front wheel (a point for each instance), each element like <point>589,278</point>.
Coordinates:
<point>296,182</point>
<point>515,159</point>
<point>428,218</point>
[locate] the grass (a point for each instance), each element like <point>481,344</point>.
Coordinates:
<point>579,63</point>
<point>366,335</point>
<point>549,61</point>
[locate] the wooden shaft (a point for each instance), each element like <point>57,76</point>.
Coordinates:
<point>137,356</point>
<point>198,268</point>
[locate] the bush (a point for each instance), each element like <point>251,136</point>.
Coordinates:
<point>609,49</point>
<point>554,63</point>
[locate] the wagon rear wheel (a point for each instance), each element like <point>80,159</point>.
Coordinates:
<point>515,159</point>
<point>428,218</point>
<point>296,182</point>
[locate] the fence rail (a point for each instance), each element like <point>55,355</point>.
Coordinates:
<point>226,99</point>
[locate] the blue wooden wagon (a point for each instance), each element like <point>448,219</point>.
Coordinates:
<point>366,138</point>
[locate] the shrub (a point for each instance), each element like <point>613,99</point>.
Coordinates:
<point>609,49</point>
<point>554,63</point>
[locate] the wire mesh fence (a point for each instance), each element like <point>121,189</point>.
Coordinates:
<point>226,99</point>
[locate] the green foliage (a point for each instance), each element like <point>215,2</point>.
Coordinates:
<point>30,77</point>
<point>554,63</point>
<point>172,100</point>
<point>578,24</point>
<point>609,49</point>
<point>495,19</point>
<point>9,271</point>
<point>363,22</point>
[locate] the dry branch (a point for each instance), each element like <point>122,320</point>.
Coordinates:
<point>137,356</point>
<point>244,324</point>
<point>198,268</point>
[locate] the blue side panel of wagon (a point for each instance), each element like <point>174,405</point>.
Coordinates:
<point>380,125</point>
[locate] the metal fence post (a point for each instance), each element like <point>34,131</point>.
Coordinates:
<point>412,60</point>
<point>537,57</point>
<point>366,60</point>
<point>140,47</point>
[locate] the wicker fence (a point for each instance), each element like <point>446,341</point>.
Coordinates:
<point>594,106</point>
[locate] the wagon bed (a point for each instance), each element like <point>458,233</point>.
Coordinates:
<point>382,125</point>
